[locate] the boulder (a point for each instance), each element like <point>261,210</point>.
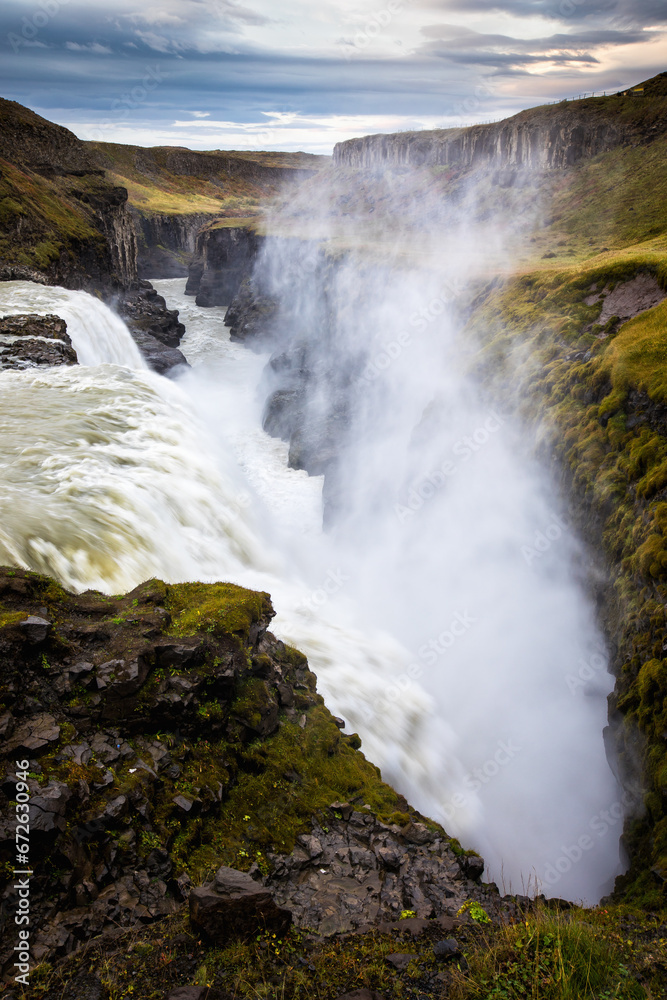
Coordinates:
<point>47,810</point>
<point>35,735</point>
<point>234,906</point>
<point>446,950</point>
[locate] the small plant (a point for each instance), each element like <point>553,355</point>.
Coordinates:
<point>408,914</point>
<point>476,912</point>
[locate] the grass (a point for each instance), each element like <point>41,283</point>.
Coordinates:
<point>167,180</point>
<point>215,608</point>
<point>40,219</point>
<point>550,955</point>
<point>603,954</point>
<point>637,357</point>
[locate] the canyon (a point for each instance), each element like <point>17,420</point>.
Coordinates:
<point>567,345</point>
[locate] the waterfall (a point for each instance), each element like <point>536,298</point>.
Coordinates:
<point>431,631</point>
<point>98,335</point>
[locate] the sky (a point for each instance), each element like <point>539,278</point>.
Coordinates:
<point>305,74</point>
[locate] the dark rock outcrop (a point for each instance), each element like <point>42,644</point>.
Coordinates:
<point>352,874</point>
<point>59,209</point>
<point>141,718</point>
<point>234,906</point>
<point>155,329</point>
<point>223,258</point>
<point>31,341</point>
<point>552,137</point>
<point>167,243</point>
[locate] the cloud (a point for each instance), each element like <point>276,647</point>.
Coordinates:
<point>233,63</point>
<point>89,47</point>
<point>462,45</point>
<point>632,12</point>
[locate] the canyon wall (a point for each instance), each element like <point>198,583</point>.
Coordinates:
<point>552,137</point>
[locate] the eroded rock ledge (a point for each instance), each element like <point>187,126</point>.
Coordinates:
<point>31,341</point>
<point>168,733</point>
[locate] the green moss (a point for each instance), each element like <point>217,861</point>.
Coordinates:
<point>280,783</point>
<point>10,618</point>
<point>216,608</point>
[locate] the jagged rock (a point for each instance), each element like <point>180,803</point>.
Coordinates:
<point>116,808</point>
<point>233,905</point>
<point>30,341</point>
<point>35,629</point>
<point>156,329</point>
<point>472,866</point>
<point>35,735</point>
<point>47,809</point>
<point>222,259</point>
<point>347,885</point>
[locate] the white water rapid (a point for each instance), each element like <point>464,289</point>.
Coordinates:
<point>455,655</point>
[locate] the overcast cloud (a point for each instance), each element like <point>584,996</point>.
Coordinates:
<point>299,75</point>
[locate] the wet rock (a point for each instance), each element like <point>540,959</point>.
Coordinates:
<point>35,629</point>
<point>233,905</point>
<point>447,950</point>
<point>31,341</point>
<point>472,866</point>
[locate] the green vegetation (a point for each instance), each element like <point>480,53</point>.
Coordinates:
<point>554,956</point>
<point>215,608</point>
<point>544,954</point>
<point>42,219</point>
<point>229,185</point>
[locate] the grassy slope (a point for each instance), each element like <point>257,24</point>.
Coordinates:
<point>156,188</point>
<point>41,220</point>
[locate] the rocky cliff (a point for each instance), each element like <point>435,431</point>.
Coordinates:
<point>167,243</point>
<point>58,212</point>
<point>552,137</point>
<point>62,221</point>
<point>224,256</point>
<point>168,731</point>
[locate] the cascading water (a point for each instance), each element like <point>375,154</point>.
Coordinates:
<point>430,629</point>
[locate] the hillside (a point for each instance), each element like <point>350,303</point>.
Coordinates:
<point>173,192</point>
<point>59,214</point>
<point>171,180</point>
